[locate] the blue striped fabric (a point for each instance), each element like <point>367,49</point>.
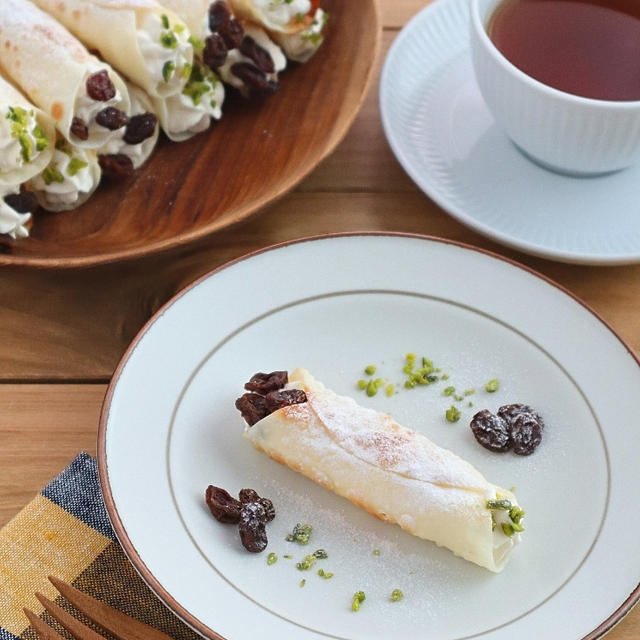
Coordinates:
<point>77,490</point>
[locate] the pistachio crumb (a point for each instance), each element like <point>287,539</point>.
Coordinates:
<point>358,598</point>
<point>452,414</point>
<point>492,385</point>
<point>389,390</point>
<point>288,556</point>
<point>306,563</point>
<point>362,384</point>
<point>396,595</point>
<point>376,552</point>
<point>303,582</point>
<point>448,391</point>
<point>372,388</point>
<point>301,533</point>
<point>500,503</point>
<point>370,369</point>
<point>272,558</point>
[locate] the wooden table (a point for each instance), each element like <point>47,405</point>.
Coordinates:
<point>61,334</point>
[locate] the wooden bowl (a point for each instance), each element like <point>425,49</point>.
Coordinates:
<point>255,154</point>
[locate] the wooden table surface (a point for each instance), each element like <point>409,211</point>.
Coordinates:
<point>62,333</point>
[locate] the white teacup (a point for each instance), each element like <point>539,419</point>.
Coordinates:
<point>560,131</point>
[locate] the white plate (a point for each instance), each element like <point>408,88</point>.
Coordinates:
<point>335,304</point>
<point>445,138</point>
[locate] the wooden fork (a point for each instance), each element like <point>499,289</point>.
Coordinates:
<point>115,622</point>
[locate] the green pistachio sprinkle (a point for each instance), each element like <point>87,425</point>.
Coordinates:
<point>303,582</point>
<point>165,20</point>
<point>362,384</point>
<point>320,554</point>
<point>288,556</point>
<point>469,392</point>
<point>501,503</point>
<point>325,574</point>
<point>51,174</point>
<point>272,558</point>
<point>444,376</point>
<point>168,40</point>
<point>396,595</point>
<point>469,404</point>
<point>370,369</point>
<point>75,164</point>
<point>457,397</point>
<point>494,524</point>
<point>358,598</point>
<point>186,71</point>
<point>196,43</point>
<point>448,391</point>
<point>195,90</point>
<point>306,563</point>
<point>379,382</point>
<point>389,390</point>
<point>178,28</point>
<point>452,414</point>
<point>492,385</point>
<point>301,533</point>
<point>372,388</point>
<point>507,529</point>
<point>26,147</point>
<point>376,552</point>
<point>42,142</point>
<point>168,69</point>
<point>516,514</point>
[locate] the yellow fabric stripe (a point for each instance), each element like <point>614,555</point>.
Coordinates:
<point>42,539</point>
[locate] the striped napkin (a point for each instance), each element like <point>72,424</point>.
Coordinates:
<point>64,531</point>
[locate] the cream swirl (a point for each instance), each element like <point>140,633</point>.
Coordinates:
<point>302,45</point>
<point>71,175</point>
<point>166,51</point>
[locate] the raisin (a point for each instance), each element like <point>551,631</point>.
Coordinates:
<point>253,407</point>
<point>215,51</point>
<point>283,398</point>
<point>265,382</point>
<point>79,129</point>
<point>249,495</point>
<point>491,431</point>
<point>116,165</point>
<point>254,79</point>
<point>223,506</point>
<point>253,532</point>
<point>232,33</point>
<point>258,54</point>
<point>112,118</point>
<point>510,412</point>
<point>526,434</point>
<point>219,15</point>
<point>140,127</point>
<point>100,87</point>
<point>23,202</point>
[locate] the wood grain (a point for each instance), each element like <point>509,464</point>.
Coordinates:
<point>254,155</point>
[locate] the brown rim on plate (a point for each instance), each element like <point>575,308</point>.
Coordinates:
<point>114,517</point>
<point>258,153</point>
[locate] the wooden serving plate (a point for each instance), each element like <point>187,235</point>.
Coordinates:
<point>255,154</point>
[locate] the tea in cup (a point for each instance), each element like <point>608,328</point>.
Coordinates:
<point>562,79</point>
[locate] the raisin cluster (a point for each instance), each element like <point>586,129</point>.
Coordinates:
<point>250,512</point>
<point>516,426</point>
<point>266,395</point>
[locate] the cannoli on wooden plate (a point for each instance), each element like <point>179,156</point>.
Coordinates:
<point>83,95</point>
<point>396,474</point>
<point>296,25</point>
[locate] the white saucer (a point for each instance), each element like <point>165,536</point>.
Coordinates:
<point>445,138</point>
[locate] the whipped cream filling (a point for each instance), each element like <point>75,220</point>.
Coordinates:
<point>166,51</point>
<point>12,222</point>
<point>503,543</point>
<point>302,45</point>
<point>21,138</point>
<point>201,99</point>
<point>279,13</point>
<point>234,56</point>
<point>137,152</point>
<point>67,178</point>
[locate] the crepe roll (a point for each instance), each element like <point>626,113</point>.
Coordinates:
<point>135,142</point>
<point>143,40</point>
<point>301,45</point>
<point>83,95</point>
<point>283,16</point>
<point>396,474</point>
<point>70,178</point>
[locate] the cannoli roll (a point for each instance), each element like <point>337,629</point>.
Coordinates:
<point>83,95</point>
<point>135,142</point>
<point>143,40</point>
<point>396,474</point>
<point>300,46</point>
<point>190,112</point>
<point>284,16</point>
<point>69,180</point>
<point>27,137</point>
